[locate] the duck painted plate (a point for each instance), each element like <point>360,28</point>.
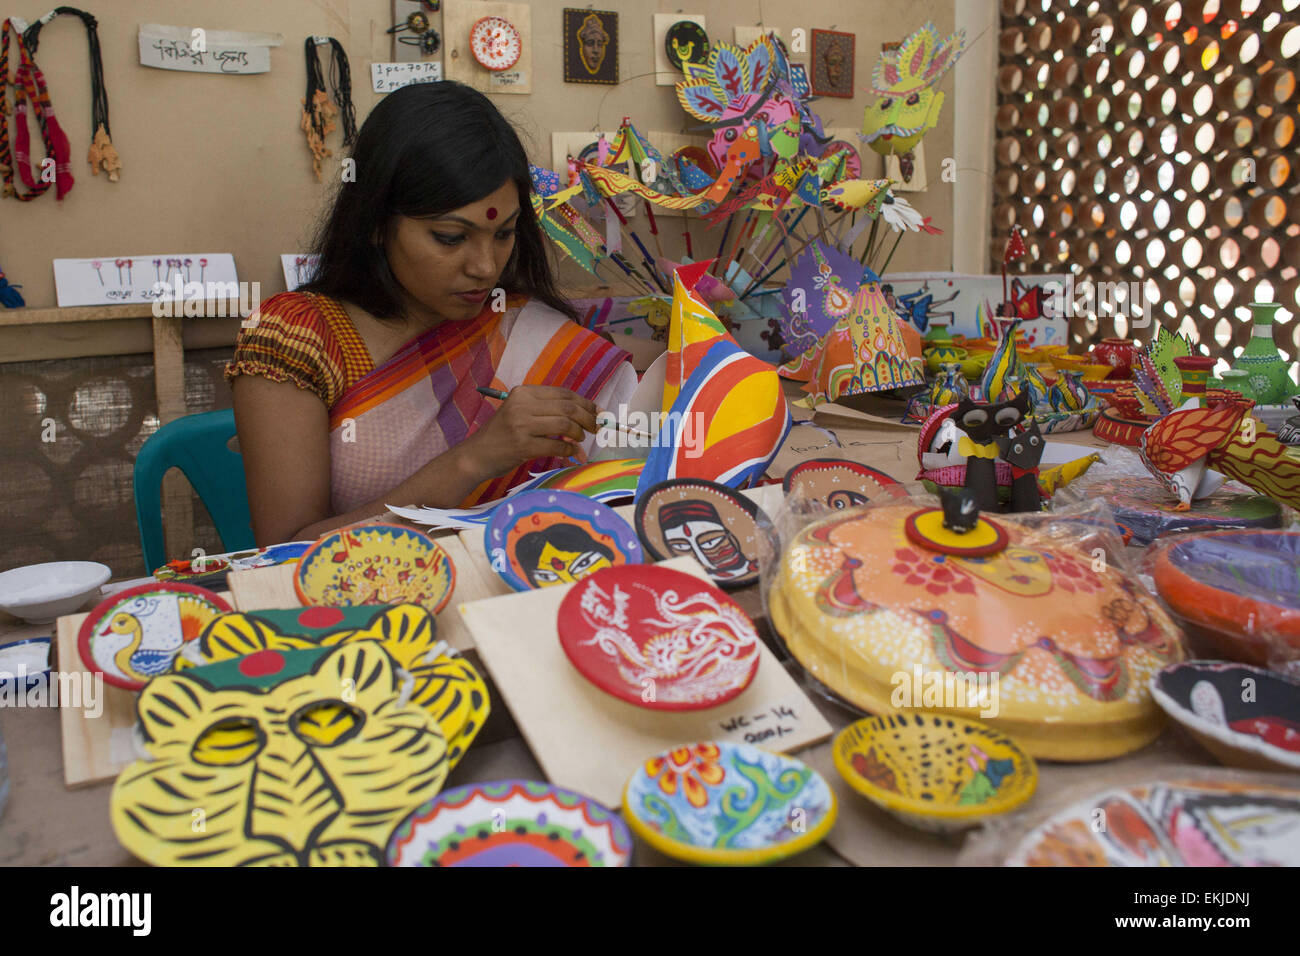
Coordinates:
<point>837,483</point>
<point>1246,716</point>
<point>718,526</point>
<point>658,638</point>
<point>1237,588</point>
<point>511,823</point>
<point>375,564</point>
<point>536,539</point>
<point>938,772</point>
<point>134,635</point>
<point>1178,822</point>
<point>725,803</point>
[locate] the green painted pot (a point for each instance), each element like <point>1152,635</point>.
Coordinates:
<point>1269,372</point>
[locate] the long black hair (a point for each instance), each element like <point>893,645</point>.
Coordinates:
<point>425,150</point>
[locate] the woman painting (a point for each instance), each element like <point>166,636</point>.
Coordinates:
<point>359,389</point>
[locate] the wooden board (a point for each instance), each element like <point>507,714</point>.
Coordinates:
<point>458,17</point>
<point>592,742</point>
<point>96,729</point>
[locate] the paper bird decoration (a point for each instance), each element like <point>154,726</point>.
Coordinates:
<point>864,351</point>
<point>1182,445</point>
<point>905,81</point>
<point>725,416</point>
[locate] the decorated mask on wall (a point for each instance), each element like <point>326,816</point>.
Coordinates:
<point>905,81</point>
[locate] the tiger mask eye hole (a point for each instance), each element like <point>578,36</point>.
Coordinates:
<point>229,743</point>
<point>326,723</point>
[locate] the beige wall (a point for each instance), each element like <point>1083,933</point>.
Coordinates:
<point>218,163</point>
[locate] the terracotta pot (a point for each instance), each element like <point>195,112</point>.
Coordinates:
<point>1119,354</point>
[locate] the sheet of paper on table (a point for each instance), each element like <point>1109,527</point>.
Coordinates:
<point>592,742</point>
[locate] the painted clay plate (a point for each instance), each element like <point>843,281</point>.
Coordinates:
<point>1237,588</point>
<point>375,564</point>
<point>658,638</point>
<point>539,538</point>
<point>1075,643</point>
<point>511,823</point>
<point>836,483</point>
<point>716,525</point>
<point>686,41</point>
<point>1171,823</point>
<point>134,635</point>
<point>1246,716</point>
<point>728,803</point>
<point>938,772</point>
<point>495,43</point>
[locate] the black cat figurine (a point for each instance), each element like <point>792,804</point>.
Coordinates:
<point>1022,452</point>
<point>983,424</point>
<point>960,512</point>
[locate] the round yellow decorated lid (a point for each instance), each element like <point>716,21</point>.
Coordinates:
<point>1041,639</point>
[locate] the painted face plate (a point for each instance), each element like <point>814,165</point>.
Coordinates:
<point>376,564</point>
<point>541,538</point>
<point>712,523</point>
<point>511,823</point>
<point>658,638</point>
<point>837,483</point>
<point>135,635</point>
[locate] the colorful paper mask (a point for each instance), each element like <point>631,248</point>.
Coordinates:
<point>836,484</point>
<point>136,634</point>
<point>725,414</point>
<point>294,758</point>
<point>905,81</point>
<point>446,686</point>
<point>863,352</point>
<point>537,539</point>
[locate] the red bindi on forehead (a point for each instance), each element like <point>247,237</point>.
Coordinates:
<point>492,212</point>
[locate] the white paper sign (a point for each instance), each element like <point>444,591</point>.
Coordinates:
<point>198,50</point>
<point>170,277</point>
<point>298,269</point>
<point>386,77</point>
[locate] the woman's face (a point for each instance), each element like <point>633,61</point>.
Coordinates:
<point>449,264</point>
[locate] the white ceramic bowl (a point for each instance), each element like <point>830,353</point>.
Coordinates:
<point>39,593</point>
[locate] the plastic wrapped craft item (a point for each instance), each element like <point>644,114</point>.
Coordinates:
<point>1173,815</point>
<point>1031,623</point>
<point>1141,504</point>
<point>1238,590</point>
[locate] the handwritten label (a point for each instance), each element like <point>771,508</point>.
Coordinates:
<point>145,278</point>
<point>386,77</point>
<point>763,726</point>
<point>508,78</point>
<point>222,51</point>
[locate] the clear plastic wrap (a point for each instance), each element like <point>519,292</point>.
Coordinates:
<point>1173,815</point>
<point>1236,593</point>
<point>1052,639</point>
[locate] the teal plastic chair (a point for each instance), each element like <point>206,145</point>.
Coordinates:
<point>197,445</point>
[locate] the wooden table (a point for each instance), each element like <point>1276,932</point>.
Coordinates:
<point>46,823</point>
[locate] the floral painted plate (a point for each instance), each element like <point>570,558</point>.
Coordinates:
<point>134,635</point>
<point>938,772</point>
<point>728,803</point>
<point>836,483</point>
<point>658,638</point>
<point>716,525</point>
<point>1246,716</point>
<point>511,823</point>
<point>1177,822</point>
<point>539,538</point>
<point>375,564</point>
<point>1237,588</point>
